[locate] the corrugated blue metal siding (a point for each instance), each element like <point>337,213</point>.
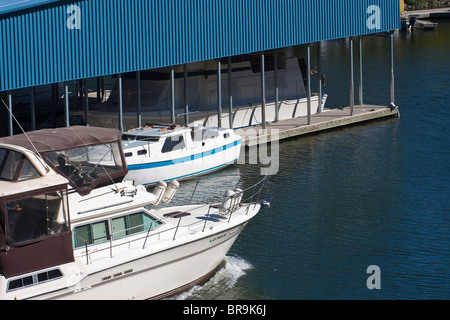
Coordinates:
<point>7,6</point>
<point>119,36</point>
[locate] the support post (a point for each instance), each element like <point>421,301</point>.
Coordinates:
<point>33,108</point>
<point>86,102</point>
<point>120,103</point>
<point>139,102</point>
<point>98,90</point>
<point>66,104</point>
<point>319,77</point>
<point>361,100</point>
<point>102,87</point>
<point>219,94</point>
<point>55,98</point>
<point>172,95</point>
<point>185,99</point>
<point>391,36</point>
<point>308,72</point>
<point>275,70</point>
<point>10,116</point>
<point>230,94</point>
<point>352,82</point>
<point>263,91</point>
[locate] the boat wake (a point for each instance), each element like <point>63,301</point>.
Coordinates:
<point>225,278</point>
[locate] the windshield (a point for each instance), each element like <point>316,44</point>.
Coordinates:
<point>86,167</point>
<point>14,166</point>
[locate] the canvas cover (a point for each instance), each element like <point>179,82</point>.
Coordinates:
<point>48,140</point>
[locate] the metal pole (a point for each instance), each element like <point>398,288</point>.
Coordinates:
<point>172,95</point>
<point>98,90</point>
<point>10,106</point>
<point>120,103</point>
<point>55,98</point>
<point>308,71</point>
<point>139,103</point>
<point>263,92</point>
<point>33,108</point>
<point>392,69</point>
<point>102,87</point>
<point>275,70</point>
<point>186,106</point>
<point>66,104</point>
<point>360,72</point>
<point>86,102</point>
<point>219,94</point>
<point>230,94</point>
<point>319,77</point>
<point>352,84</point>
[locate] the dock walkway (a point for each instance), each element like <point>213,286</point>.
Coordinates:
<point>328,119</point>
<point>429,13</point>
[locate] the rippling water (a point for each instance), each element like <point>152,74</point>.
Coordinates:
<point>373,194</point>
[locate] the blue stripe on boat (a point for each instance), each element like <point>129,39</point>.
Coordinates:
<point>134,167</point>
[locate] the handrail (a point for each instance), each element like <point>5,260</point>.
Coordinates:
<point>248,201</point>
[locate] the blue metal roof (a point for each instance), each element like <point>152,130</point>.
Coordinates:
<point>7,6</point>
<point>68,40</point>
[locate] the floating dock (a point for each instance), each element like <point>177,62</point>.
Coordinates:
<point>428,14</point>
<point>328,119</point>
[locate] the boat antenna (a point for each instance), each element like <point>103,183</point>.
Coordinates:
<point>47,169</point>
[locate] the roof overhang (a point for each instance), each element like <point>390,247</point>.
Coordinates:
<point>7,6</point>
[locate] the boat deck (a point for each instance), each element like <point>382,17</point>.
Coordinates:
<point>198,216</point>
<point>328,119</point>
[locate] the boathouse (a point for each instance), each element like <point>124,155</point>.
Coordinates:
<point>58,53</point>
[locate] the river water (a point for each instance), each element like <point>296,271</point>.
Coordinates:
<point>371,194</point>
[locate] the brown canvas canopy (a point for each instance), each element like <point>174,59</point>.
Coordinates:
<point>48,140</point>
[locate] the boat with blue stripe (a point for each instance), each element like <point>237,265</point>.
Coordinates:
<point>166,152</point>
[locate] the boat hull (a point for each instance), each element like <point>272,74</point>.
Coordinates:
<point>150,173</point>
<point>157,275</point>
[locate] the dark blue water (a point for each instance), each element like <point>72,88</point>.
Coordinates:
<point>372,194</point>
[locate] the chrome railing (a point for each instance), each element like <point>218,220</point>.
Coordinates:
<point>112,238</point>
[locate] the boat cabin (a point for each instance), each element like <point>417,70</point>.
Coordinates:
<point>162,140</point>
<point>88,157</point>
<point>34,220</point>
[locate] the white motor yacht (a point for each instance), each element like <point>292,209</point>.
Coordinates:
<point>70,228</point>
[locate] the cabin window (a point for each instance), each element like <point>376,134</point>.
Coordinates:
<point>34,279</point>
<point>133,223</point>
<point>128,154</point>
<point>9,163</point>
<point>93,233</point>
<point>226,135</point>
<point>37,216</point>
<point>98,232</point>
<point>173,143</point>
<point>15,166</point>
<point>142,152</point>
<point>28,171</point>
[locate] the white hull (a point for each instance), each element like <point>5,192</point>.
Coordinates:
<point>157,275</point>
<point>163,268</point>
<point>170,260</point>
<point>150,173</point>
